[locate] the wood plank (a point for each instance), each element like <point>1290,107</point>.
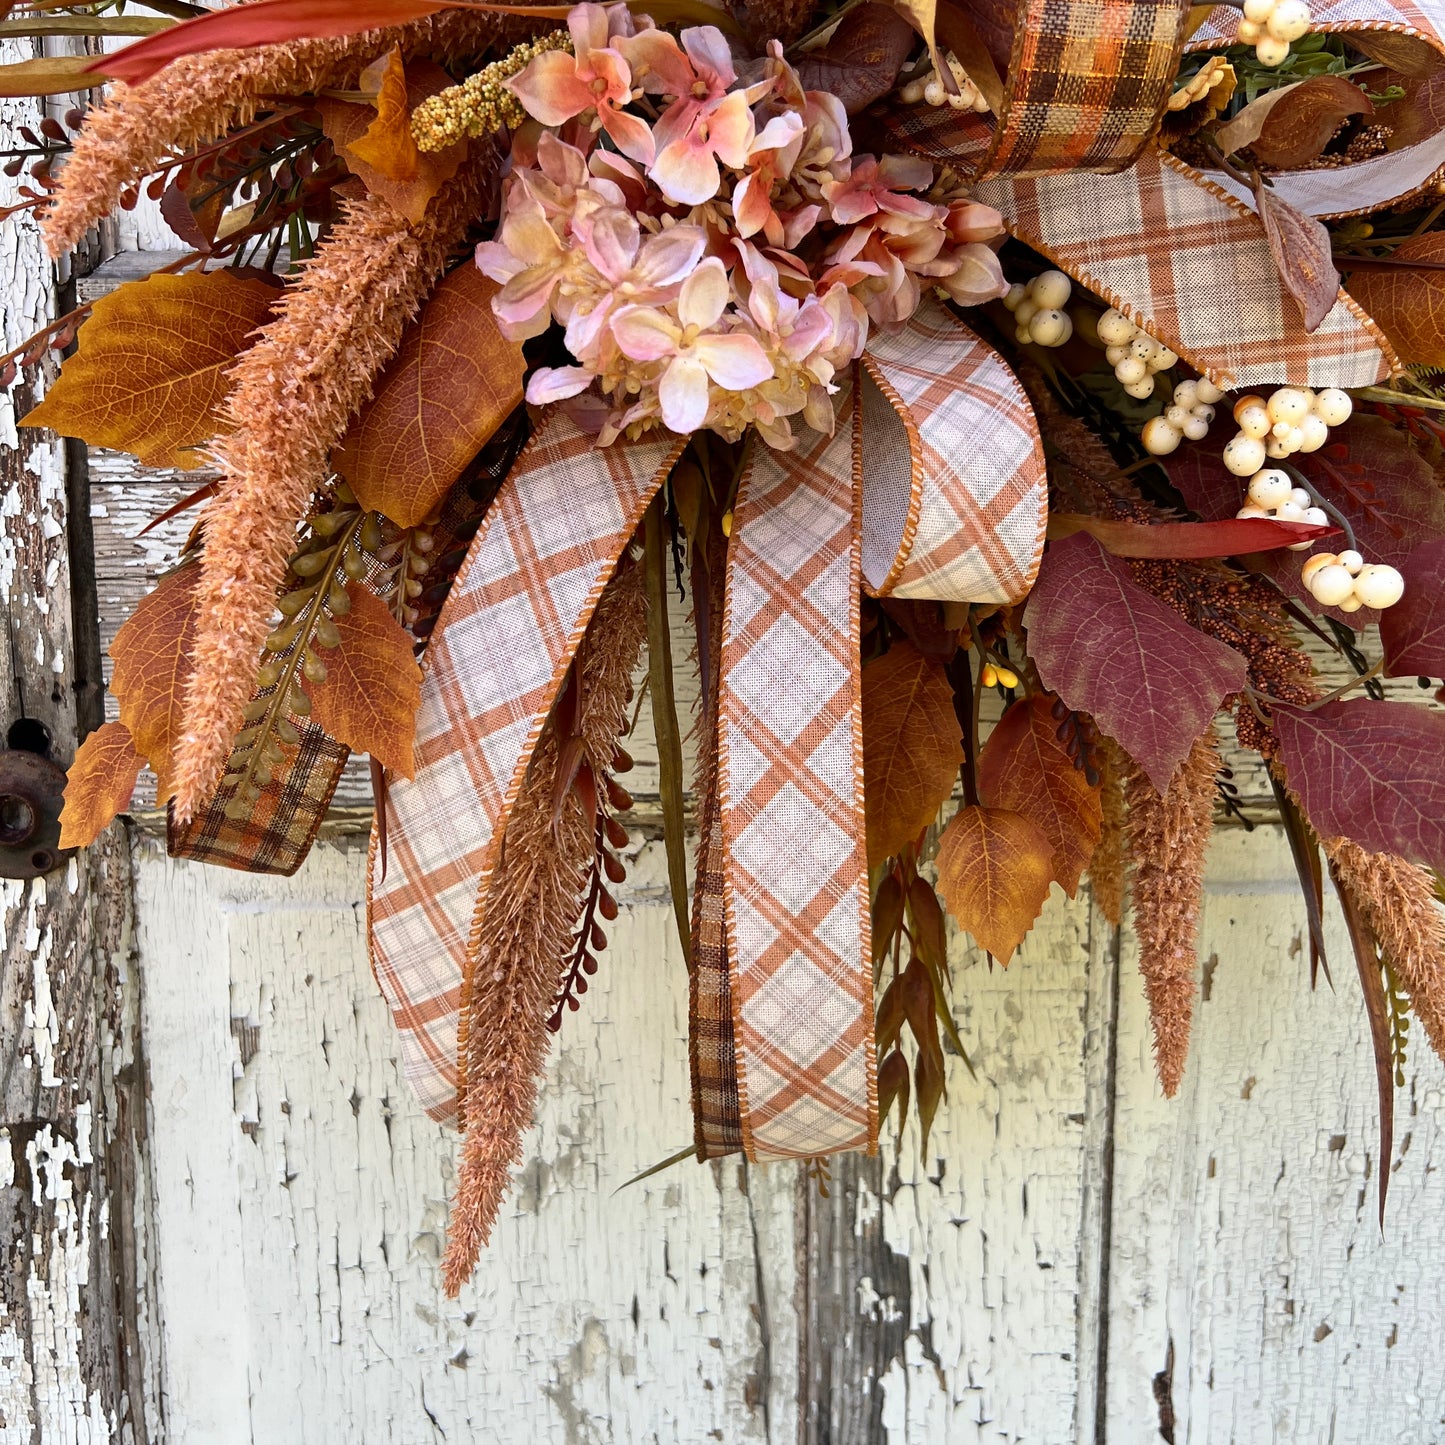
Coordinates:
<point>75,1362</point>
<point>1244,1234</point>
<point>298,1182</point>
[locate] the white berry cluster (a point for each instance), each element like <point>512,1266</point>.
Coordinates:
<point>1270,25</point>
<point>1272,494</point>
<point>1189,416</point>
<point>1038,309</point>
<point>932,91</point>
<point>1133,353</point>
<point>1294,419</point>
<point>1345,580</point>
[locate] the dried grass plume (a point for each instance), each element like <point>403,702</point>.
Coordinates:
<point>533,901</point>
<point>1168,838</point>
<point>292,396</point>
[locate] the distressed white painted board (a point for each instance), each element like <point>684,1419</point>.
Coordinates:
<point>297,1183</point>
<point>1245,1211</point>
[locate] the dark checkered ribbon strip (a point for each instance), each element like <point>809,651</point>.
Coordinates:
<point>275,834</point>
<point>1087,84</point>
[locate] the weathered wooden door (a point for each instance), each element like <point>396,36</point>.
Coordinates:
<point>224,1211</point>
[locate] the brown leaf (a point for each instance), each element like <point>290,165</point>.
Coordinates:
<point>994,871</point>
<point>152,656</point>
<point>893,1084</point>
<point>454,381</point>
<point>861,59</point>
<point>1023,767</point>
<point>150,373</point>
<point>1413,630</point>
<point>372,687</point>
<point>1409,305</point>
<point>1409,54</point>
<point>98,784</point>
<point>911,748</point>
<point>1300,246</point>
<point>1290,127</point>
<point>1420,113</point>
<point>377,143</point>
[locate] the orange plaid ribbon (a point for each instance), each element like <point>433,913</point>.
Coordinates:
<point>932,486</point>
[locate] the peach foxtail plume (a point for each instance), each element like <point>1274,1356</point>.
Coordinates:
<point>533,901</point>
<point>1168,836</point>
<point>198,98</point>
<point>292,396</point>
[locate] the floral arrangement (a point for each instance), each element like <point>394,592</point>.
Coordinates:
<point>1013,454</point>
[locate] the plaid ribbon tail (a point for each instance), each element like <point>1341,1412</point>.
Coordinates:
<point>275,832</point>
<point>933,485</point>
<point>497,659</point>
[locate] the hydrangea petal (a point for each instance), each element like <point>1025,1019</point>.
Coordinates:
<point>735,362</point>
<point>683,395</point>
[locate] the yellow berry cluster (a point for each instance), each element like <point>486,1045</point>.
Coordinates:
<point>1270,25</point>
<point>481,103</point>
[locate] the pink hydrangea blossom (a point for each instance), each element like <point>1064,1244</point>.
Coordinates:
<point>695,354</point>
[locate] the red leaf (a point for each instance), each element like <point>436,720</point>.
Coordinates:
<point>1228,538</point>
<point>1370,771</point>
<point>1110,648</point>
<point>1370,470</point>
<point>1413,630</point>
<point>264,22</point>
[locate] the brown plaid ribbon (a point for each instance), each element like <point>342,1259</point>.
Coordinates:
<point>932,486</point>
<point>276,833</point>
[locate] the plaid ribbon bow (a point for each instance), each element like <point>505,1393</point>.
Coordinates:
<point>932,486</point>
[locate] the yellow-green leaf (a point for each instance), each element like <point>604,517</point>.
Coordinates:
<point>150,373</point>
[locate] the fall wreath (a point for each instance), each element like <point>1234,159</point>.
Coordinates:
<point>931,350</point>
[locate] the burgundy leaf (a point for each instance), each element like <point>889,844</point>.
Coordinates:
<point>1370,771</point>
<point>1301,249</point>
<point>1413,630</point>
<point>1372,471</point>
<point>1110,648</point>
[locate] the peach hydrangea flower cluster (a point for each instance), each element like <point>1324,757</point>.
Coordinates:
<point>712,248</point>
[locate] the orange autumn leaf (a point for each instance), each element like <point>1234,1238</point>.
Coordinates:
<point>150,373</point>
<point>376,143</point>
<point>98,784</point>
<point>911,748</point>
<point>1409,304</point>
<point>994,871</point>
<point>372,687</point>
<point>452,384</point>
<point>152,656</point>
<point>1023,767</point>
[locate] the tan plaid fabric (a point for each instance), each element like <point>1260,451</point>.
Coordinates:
<point>277,833</point>
<point>1192,266</point>
<point>790,768</point>
<point>933,486</point>
<point>944,420</point>
<point>501,648</point>
<point>1358,189</point>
